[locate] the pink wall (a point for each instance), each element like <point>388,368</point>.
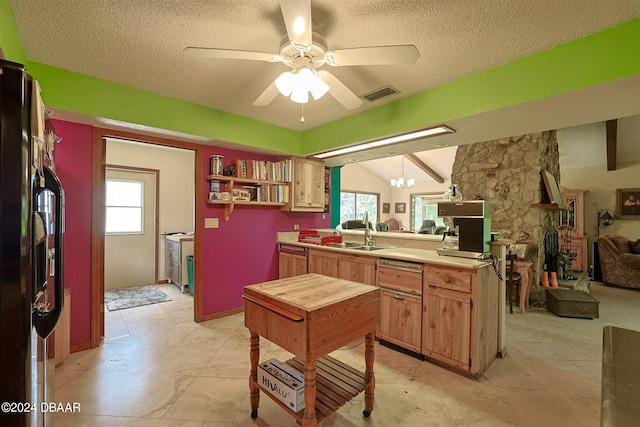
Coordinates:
<point>241,251</point>
<point>73,166</point>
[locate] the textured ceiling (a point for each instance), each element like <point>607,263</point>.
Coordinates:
<point>139,43</point>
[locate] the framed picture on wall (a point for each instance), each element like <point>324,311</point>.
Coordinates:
<point>386,207</point>
<point>628,203</point>
<point>400,207</point>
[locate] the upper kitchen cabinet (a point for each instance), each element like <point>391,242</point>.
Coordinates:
<point>307,185</point>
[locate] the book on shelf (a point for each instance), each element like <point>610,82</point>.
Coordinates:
<point>259,170</point>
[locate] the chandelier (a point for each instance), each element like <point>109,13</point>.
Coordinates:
<point>400,181</point>
<point>298,84</point>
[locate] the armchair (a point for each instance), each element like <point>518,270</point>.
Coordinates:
<point>620,265</point>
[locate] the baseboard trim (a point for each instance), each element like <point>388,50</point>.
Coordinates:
<point>222,314</point>
<point>80,347</point>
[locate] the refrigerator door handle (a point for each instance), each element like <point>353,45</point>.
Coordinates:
<point>45,320</point>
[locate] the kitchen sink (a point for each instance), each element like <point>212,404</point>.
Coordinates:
<point>345,245</point>
<point>370,248</point>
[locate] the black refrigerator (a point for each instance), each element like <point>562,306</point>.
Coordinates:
<point>31,251</point>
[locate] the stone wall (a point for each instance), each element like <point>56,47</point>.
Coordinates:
<point>506,172</point>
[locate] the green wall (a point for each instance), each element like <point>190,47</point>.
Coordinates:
<point>70,91</point>
<point>609,55</point>
<point>9,37</point>
<point>596,59</point>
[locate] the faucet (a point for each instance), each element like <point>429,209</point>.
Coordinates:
<point>368,241</point>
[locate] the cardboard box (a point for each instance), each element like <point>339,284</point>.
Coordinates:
<point>283,382</point>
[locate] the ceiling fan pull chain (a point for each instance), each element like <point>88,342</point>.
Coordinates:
<point>301,113</point>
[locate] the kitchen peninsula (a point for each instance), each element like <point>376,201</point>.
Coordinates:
<point>449,310</point>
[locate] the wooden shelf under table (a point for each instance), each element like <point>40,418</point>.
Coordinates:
<point>336,384</point>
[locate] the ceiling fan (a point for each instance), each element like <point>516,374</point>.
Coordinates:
<point>305,52</point>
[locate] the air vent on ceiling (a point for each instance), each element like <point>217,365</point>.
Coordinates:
<point>380,93</point>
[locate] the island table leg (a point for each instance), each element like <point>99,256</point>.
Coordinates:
<point>369,378</point>
<point>309,418</point>
<point>253,377</point>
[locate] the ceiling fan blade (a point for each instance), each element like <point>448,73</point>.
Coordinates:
<point>339,91</point>
<point>380,55</point>
<point>297,18</point>
<point>267,96</point>
<point>210,52</point>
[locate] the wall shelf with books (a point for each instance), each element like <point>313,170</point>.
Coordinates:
<point>247,192</point>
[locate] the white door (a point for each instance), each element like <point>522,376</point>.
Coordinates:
<point>130,229</point>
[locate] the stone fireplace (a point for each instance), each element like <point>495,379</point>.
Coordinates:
<point>506,172</point>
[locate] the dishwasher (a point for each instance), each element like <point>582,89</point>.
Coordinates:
<point>401,304</point>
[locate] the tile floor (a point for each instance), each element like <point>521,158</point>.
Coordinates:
<point>159,368</point>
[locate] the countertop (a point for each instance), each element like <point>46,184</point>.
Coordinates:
<point>179,237</point>
<point>400,253</point>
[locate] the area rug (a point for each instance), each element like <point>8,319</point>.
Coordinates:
<point>134,297</point>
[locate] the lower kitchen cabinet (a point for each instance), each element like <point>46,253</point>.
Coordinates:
<point>400,319</point>
<point>446,335</point>
<point>460,318</point>
<point>361,269</point>
<point>323,262</point>
<point>292,261</point>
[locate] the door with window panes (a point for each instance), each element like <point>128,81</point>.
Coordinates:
<point>130,199</point>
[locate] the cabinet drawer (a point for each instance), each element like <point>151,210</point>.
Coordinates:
<point>455,279</point>
<point>401,280</point>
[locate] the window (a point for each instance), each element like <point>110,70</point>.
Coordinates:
<point>425,206</point>
<point>353,205</point>
<point>124,206</point>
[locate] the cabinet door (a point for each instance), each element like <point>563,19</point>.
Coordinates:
<point>322,262</point>
<point>400,319</point>
<point>291,265</point>
<point>308,185</point>
<point>446,329</point>
<point>358,269</point>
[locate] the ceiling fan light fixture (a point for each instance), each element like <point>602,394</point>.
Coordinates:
<point>300,96</point>
<point>298,84</point>
<point>285,82</point>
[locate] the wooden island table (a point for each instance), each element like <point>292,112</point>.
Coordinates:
<point>311,316</point>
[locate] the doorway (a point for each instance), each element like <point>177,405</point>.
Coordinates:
<point>131,227</point>
<point>179,202</point>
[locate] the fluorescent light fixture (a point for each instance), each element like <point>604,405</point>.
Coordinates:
<point>422,133</point>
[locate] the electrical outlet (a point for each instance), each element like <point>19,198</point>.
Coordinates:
<point>296,226</point>
<point>211,223</point>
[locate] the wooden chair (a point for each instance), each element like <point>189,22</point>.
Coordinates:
<point>513,280</point>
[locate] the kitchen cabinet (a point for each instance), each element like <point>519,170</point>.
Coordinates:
<point>62,332</point>
<point>358,268</point>
<point>307,185</point>
<point>323,262</point>
<point>292,260</point>
<point>460,322</point>
<point>400,319</point>
<point>574,218</point>
<point>401,303</point>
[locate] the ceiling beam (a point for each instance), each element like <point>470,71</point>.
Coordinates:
<point>612,142</point>
<point>419,163</point>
